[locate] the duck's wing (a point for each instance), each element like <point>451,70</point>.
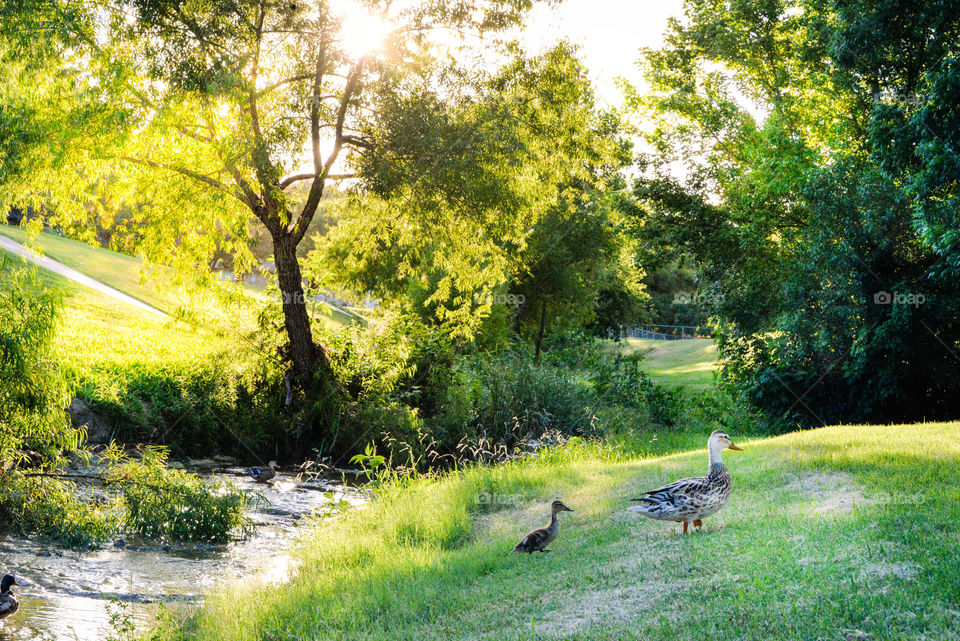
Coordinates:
<point>8,605</point>
<point>534,541</point>
<point>673,501</point>
<point>683,487</point>
<point>261,473</point>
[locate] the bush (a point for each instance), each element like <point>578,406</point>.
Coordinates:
<point>54,508</point>
<point>160,503</point>
<point>33,393</point>
<point>515,399</point>
<point>619,381</point>
<point>141,496</point>
<point>868,318</point>
<point>424,404</point>
<point>185,406</point>
<point>716,409</point>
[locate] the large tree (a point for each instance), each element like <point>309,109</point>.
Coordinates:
<point>801,212</point>
<point>200,115</point>
<point>528,238</point>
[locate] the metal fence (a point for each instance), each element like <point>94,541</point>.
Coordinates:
<point>667,332</point>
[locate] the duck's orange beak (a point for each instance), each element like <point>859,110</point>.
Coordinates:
<point>734,447</point>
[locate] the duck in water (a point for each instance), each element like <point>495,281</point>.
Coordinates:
<point>263,474</point>
<point>8,602</point>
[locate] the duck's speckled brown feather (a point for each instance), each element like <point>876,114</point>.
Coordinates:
<point>688,499</point>
<point>538,540</point>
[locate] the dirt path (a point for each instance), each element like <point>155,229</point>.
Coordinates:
<point>14,247</point>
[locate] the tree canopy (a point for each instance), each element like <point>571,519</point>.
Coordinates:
<point>198,116</point>
<point>799,154</point>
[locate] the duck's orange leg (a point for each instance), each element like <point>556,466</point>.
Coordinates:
<point>698,523</point>
<point>685,526</point>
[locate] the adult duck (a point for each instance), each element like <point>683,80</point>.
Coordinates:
<point>691,500</point>
<point>8,602</point>
<point>263,474</point>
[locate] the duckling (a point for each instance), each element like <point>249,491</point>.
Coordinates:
<point>538,540</point>
<point>690,500</point>
<point>8,602</point>
<point>263,474</point>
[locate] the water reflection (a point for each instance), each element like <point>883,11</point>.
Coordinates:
<point>68,596</point>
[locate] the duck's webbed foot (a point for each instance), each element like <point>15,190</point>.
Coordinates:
<point>698,523</point>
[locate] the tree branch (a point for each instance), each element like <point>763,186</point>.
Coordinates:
<point>252,94</point>
<point>357,142</point>
<point>289,180</point>
<point>315,104</point>
<point>203,178</point>
<point>292,79</point>
<point>316,189</point>
<point>249,197</point>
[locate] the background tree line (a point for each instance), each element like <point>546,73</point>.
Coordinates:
<point>823,215</point>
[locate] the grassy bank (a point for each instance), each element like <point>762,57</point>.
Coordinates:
<point>126,274</point>
<point>827,532</point>
<point>180,382</point>
<point>688,363</point>
<point>142,374</point>
<point>117,270</point>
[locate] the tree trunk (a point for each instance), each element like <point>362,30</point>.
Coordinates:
<point>312,378</point>
<point>303,353</point>
<point>543,324</point>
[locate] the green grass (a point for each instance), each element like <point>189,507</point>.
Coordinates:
<point>101,335</point>
<point>689,364</point>
<point>126,273</point>
<point>100,341</point>
<point>167,381</point>
<point>97,330</point>
<point>104,346</point>
<point>827,531</point>
<point>117,270</point>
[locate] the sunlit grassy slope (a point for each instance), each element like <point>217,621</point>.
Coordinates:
<point>828,533</point>
<point>126,273</point>
<point>688,363</point>
<point>117,270</point>
<point>96,331</point>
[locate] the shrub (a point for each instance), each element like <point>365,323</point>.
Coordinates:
<point>161,503</point>
<point>54,508</point>
<point>716,409</point>
<point>619,381</point>
<point>33,393</point>
<point>186,405</point>
<point>515,399</point>
<point>141,496</point>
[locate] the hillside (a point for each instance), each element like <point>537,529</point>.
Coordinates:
<point>127,274</point>
<point>117,270</point>
<point>148,378</point>
<point>688,363</point>
<point>831,532</point>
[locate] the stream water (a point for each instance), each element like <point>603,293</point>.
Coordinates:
<point>69,596</point>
